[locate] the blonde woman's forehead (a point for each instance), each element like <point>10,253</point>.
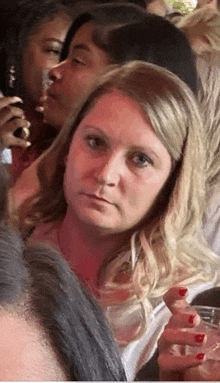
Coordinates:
<point>113,105</point>
<point>121,121</point>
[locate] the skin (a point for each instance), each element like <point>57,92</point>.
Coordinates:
<point>42,53</point>
<point>23,356</point>
<point>178,333</point>
<point>73,76</point>
<point>108,161</point>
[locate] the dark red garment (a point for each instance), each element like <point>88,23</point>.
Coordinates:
<point>21,160</point>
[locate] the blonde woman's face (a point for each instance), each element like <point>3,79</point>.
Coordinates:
<point>116,166</point>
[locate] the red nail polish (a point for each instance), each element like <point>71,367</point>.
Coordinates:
<point>191,318</point>
<point>182,291</point>
<point>200,356</point>
<point>199,338</point>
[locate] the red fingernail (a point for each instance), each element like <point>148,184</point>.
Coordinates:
<point>199,338</point>
<point>200,356</point>
<point>191,318</point>
<point>182,291</point>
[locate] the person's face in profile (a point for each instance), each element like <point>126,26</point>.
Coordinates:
<point>73,76</point>
<point>42,53</point>
<point>25,354</point>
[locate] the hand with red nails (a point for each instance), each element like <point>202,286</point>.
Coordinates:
<point>173,363</point>
<point>11,119</point>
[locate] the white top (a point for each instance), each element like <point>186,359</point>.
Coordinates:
<point>211,226</point>
<point>6,156</point>
<point>138,352</point>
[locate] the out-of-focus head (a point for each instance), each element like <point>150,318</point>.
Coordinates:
<point>113,34</point>
<point>51,329</point>
<point>33,42</point>
<point>202,27</point>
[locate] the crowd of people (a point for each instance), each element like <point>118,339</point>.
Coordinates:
<point>109,221</point>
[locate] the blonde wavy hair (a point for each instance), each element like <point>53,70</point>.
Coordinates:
<point>208,68</point>
<point>166,248</point>
<point>203,23</point>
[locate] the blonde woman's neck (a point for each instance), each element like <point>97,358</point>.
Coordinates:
<point>84,246</point>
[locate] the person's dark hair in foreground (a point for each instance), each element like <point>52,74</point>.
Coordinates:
<point>38,286</point>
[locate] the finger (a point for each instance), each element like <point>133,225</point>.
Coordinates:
<point>14,141</point>
<point>175,299</point>
<point>169,362</point>
<point>13,125</point>
<point>9,113</point>
<point>172,336</point>
<point>184,319</point>
<point>5,101</point>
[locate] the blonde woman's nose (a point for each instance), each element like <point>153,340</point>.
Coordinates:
<point>109,173</point>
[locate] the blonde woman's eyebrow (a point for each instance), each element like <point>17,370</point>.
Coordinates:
<point>149,151</point>
<point>132,147</point>
<point>100,131</point>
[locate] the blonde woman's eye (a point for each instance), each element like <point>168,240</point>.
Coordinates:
<point>141,160</point>
<point>95,142</point>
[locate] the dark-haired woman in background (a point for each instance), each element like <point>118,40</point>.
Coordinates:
<point>32,43</point>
